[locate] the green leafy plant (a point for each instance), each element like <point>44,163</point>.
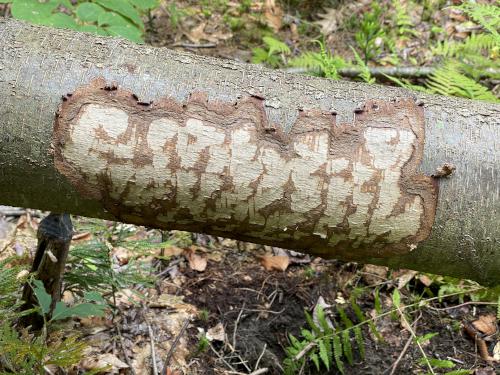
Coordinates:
<point>326,344</point>
<point>364,74</point>
<point>203,345</point>
<point>404,25</point>
<point>26,353</point>
<point>371,34</point>
<point>465,61</point>
<point>105,17</point>
<point>322,62</point>
<point>91,268</point>
<point>480,51</point>
<point>273,54</point>
<point>94,305</point>
<point>203,315</point>
<point>451,80</point>
<point>175,15</point>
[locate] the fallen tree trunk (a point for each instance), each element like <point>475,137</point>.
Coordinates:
<point>104,128</point>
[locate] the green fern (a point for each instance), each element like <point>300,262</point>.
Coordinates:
<point>324,346</point>
<point>270,55</point>
<point>358,335</point>
<point>449,80</point>
<point>466,61</point>
<point>346,344</point>
<point>404,24</point>
<point>361,317</point>
<point>337,353</point>
<point>474,44</point>
<point>326,64</point>
<point>486,15</point>
<point>24,354</point>
<point>478,54</point>
<point>275,45</point>
<point>364,74</point>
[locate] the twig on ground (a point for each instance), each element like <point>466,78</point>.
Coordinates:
<point>174,344</point>
<point>223,360</point>
<point>414,336</point>
<point>236,325</point>
<point>124,349</point>
<point>401,355</point>
<point>193,45</point>
<point>260,371</point>
<point>461,305</point>
<point>260,357</point>
<point>153,351</point>
<point>405,349</point>
<point>381,71</point>
<point>308,347</point>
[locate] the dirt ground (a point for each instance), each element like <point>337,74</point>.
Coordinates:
<point>218,306</point>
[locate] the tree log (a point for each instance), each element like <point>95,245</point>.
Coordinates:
<point>104,128</point>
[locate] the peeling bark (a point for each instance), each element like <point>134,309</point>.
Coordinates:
<point>103,128</point>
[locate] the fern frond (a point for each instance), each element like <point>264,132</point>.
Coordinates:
<point>486,15</point>
<point>310,321</point>
<point>275,45</point>
<point>364,74</point>
<point>309,60</point>
<point>337,353</point>
<point>448,80</point>
<point>469,47</point>
<point>403,21</point>
<point>359,314</point>
<point>323,353</point>
<point>323,61</point>
<point>315,359</point>
<point>346,344</point>
<point>344,318</point>
<point>358,335</point>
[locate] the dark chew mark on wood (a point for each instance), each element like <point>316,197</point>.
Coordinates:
<point>336,190</point>
<point>444,171</point>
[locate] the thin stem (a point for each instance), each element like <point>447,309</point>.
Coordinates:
<point>410,329</point>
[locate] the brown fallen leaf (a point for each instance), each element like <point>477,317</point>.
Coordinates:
<point>103,360</point>
<point>485,371</point>
<point>68,298</point>
<point>196,262</point>
<point>373,274</point>
<point>426,280</point>
<point>273,15</point>
<point>486,324</point>
<point>496,352</point>
<point>122,255</point>
<point>481,345</point>
<point>95,324</point>
<point>172,251</point>
<point>275,262</point>
<point>329,21</point>
<point>216,333</point>
<point>196,34</point>
<point>404,277</point>
<point>84,236</point>
<point>127,297</point>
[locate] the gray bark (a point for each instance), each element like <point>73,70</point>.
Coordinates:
<point>38,66</point>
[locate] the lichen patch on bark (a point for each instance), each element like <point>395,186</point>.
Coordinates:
<point>222,168</point>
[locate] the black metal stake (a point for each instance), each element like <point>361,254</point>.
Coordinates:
<point>54,238</point>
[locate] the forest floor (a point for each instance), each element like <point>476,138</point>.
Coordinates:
<point>185,303</point>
